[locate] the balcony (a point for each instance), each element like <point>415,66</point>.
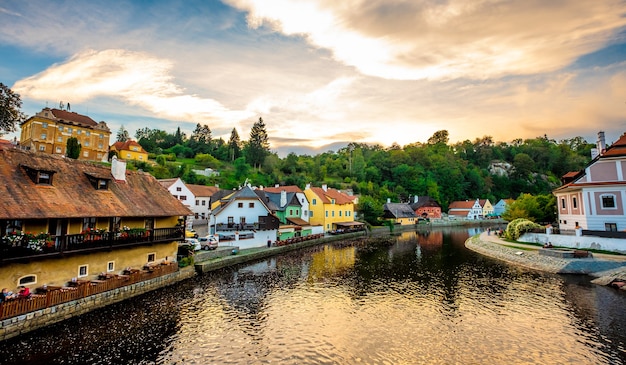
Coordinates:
<point>25,248</point>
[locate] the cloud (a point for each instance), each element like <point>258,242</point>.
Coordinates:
<point>135,78</point>
<point>474,39</point>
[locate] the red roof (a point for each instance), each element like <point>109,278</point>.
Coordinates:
<point>616,149</point>
<point>125,146</point>
<point>462,204</point>
<point>74,117</point>
<point>286,188</point>
<point>330,193</point>
<point>202,190</point>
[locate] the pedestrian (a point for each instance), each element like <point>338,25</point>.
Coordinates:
<point>489,231</point>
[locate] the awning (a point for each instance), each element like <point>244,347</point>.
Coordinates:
<point>350,224</point>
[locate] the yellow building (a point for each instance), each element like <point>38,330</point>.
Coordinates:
<point>48,131</point>
<point>488,209</point>
<point>63,219</point>
<point>129,150</point>
<point>330,208</point>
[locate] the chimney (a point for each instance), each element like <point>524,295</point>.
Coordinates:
<point>283,198</point>
<point>308,186</point>
<point>118,169</point>
<point>415,199</point>
<point>324,187</point>
<point>601,142</point>
<point>388,200</point>
<point>594,153</point>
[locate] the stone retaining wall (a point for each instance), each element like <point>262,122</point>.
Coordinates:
<point>15,326</point>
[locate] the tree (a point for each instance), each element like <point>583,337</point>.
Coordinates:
<point>122,135</point>
<point>72,148</point>
<point>439,137</point>
<point>258,146</point>
<point>10,114</point>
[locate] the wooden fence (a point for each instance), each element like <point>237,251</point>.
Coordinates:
<point>52,295</point>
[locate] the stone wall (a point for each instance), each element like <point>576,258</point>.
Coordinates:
<point>596,243</point>
<point>15,326</point>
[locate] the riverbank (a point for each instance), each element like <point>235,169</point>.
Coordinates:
<point>604,267</point>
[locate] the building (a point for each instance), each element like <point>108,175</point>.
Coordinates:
<point>129,150</point>
<point>331,209</point>
<point>487,208</point>
<point>426,207</point>
<point>49,130</point>
<point>196,197</point>
<point>594,197</point>
<point>304,203</point>
<point>399,213</point>
<point>64,219</point>
<point>287,207</point>
<point>465,209</point>
<point>500,207</point>
<point>242,219</point>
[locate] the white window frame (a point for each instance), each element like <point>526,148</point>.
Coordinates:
<point>614,207</point>
<point>86,267</point>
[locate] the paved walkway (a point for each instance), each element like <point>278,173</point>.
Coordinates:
<point>605,267</point>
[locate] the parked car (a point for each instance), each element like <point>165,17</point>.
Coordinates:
<point>191,233</point>
<point>209,242</point>
<point>193,242</point>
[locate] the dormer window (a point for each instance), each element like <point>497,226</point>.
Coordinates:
<point>98,181</point>
<point>38,175</point>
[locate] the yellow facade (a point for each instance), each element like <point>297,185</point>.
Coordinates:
<point>327,214</point>
<point>46,135</point>
<point>487,208</point>
<point>58,272</point>
<point>405,221</point>
<point>132,153</point>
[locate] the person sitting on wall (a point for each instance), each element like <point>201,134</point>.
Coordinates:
<point>4,295</point>
<point>548,245</point>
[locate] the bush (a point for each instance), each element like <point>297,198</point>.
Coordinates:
<point>186,261</point>
<point>518,227</point>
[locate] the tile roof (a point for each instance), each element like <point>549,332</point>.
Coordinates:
<point>398,210</point>
<point>287,188</point>
<point>73,117</point>
<point>461,204</point>
<point>202,190</point>
<point>616,149</point>
<point>126,146</point>
<point>330,193</point>
<point>72,195</point>
<point>424,201</point>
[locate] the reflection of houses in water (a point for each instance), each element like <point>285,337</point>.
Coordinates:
<point>331,261</point>
<point>430,238</point>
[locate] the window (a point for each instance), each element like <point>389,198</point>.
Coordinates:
<point>140,157</point>
<point>611,227</point>
<point>314,202</point>
<point>100,145</point>
<point>326,213</point>
<point>251,205</point>
<point>203,202</point>
<point>101,136</point>
<point>239,205</point>
<point>58,150</point>
<point>178,188</point>
<point>135,149</point>
<point>310,213</point>
<point>110,266</point>
<point>563,203</point>
<point>332,201</point>
<point>574,203</point>
<point>347,213</point>
<point>83,270</point>
<point>86,153</point>
<point>305,212</point>
<point>290,211</point>
<point>60,139</point>
<point>89,223</point>
<point>128,155</point>
<point>44,125</point>
<point>332,213</point>
<point>183,197</point>
<point>197,202</point>
<point>151,257</point>
<point>608,201</point>
<point>44,136</point>
<point>78,131</point>
<point>231,220</point>
<point>87,133</point>
<point>340,213</point>
<point>60,128</point>
<point>86,143</point>
<point>69,130</point>
<point>27,280</point>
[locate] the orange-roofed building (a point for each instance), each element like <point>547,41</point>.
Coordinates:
<point>130,150</point>
<point>465,209</point>
<point>331,209</point>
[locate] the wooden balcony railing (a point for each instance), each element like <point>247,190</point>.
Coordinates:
<point>75,243</point>
<point>49,296</point>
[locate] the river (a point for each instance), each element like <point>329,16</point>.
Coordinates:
<point>424,300</point>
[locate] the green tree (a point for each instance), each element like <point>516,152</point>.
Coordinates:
<point>73,148</point>
<point>370,209</point>
<point>122,135</point>
<point>258,146</point>
<point>441,136</point>
<point>234,145</point>
<point>10,114</point>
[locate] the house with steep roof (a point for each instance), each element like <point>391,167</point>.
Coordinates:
<point>426,207</point>
<point>487,208</point>
<point>465,209</point>
<point>49,130</point>
<point>243,219</point>
<point>500,207</point>
<point>62,218</point>
<point>196,197</point>
<point>287,207</point>
<point>304,203</point>
<point>399,213</point>
<point>331,209</point>
<point>594,197</point>
<point>129,150</point>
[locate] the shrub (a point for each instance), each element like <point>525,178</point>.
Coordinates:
<point>518,227</point>
<point>186,261</point>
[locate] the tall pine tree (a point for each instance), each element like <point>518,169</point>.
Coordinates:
<point>258,146</point>
<point>234,145</point>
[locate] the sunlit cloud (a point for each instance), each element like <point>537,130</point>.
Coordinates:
<point>479,39</point>
<point>135,78</point>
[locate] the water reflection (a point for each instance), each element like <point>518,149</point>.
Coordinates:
<point>424,300</point>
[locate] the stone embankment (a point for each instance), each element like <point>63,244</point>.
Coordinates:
<point>606,268</point>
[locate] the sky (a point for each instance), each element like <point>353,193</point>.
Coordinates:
<point>324,73</point>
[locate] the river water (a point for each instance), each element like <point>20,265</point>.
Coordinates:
<point>424,300</point>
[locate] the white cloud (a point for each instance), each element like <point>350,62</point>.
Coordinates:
<point>475,39</point>
<point>135,78</point>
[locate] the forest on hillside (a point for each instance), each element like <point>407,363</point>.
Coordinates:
<point>443,171</point>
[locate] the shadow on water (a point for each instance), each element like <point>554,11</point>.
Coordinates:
<point>337,303</point>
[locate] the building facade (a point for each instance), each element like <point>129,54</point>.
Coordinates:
<point>49,130</point>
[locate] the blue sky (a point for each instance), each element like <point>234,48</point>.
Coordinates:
<point>324,73</point>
